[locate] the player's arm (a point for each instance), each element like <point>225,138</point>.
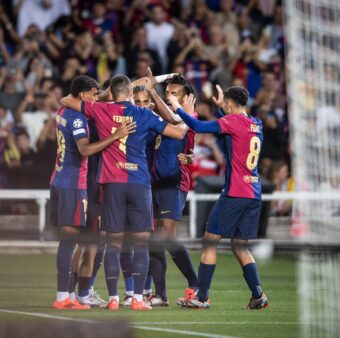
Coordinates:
<point>71,102</point>
<point>88,149</point>
<point>162,108</point>
<point>177,132</point>
<point>194,124</point>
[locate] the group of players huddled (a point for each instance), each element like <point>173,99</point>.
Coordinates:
<point>120,185</point>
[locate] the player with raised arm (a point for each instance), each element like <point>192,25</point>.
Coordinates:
<point>68,183</point>
<point>235,214</point>
<point>171,181</point>
<point>127,204</point>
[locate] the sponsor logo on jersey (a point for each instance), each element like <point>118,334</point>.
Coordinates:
<point>250,179</point>
<point>79,131</point>
<point>255,128</point>
<point>77,123</point>
<point>127,166</point>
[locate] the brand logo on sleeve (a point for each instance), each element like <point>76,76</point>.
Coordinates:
<point>77,123</point>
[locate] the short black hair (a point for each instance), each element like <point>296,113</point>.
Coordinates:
<point>237,94</point>
<point>106,84</point>
<point>82,83</point>
<point>120,85</point>
<point>138,89</point>
<point>181,80</point>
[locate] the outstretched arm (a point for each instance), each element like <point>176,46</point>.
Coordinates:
<point>88,149</point>
<point>71,102</point>
<point>194,124</point>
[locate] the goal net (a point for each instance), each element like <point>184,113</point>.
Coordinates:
<point>313,81</point>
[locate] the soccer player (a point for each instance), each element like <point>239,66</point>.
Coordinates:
<point>68,183</point>
<point>127,204</point>
<point>235,214</point>
<point>171,182</point>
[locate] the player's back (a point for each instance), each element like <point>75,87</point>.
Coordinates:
<point>71,168</point>
<point>124,161</point>
<point>244,140</point>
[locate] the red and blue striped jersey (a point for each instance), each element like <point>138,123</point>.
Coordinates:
<point>70,169</point>
<point>243,146</point>
<point>167,171</point>
<point>124,161</point>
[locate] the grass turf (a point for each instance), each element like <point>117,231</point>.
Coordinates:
<point>27,283</point>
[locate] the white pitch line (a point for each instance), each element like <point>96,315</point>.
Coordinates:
<point>135,325</point>
<point>186,333</point>
<point>44,315</point>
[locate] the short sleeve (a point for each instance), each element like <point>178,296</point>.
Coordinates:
<point>92,109</point>
<point>228,124</point>
<point>79,127</point>
<point>155,122</point>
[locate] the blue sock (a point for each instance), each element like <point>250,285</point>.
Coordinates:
<point>157,269</point>
<point>112,269</point>
<point>205,275</point>
<point>84,284</point>
<point>148,283</point>
<point>181,258</point>
<point>64,265</point>
<point>97,263</point>
<point>126,258</point>
<point>140,267</point>
<point>251,276</point>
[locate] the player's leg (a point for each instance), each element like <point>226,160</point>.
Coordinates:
<point>140,224</point>
<point>85,273</point>
<point>97,264</point>
<point>113,227</point>
<point>247,229</point>
<point>157,269</point>
<point>70,207</point>
<point>126,258</point>
<point>74,275</point>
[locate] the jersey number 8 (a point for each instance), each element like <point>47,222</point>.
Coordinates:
<point>253,156</point>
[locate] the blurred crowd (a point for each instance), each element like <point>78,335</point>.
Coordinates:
<point>45,43</point>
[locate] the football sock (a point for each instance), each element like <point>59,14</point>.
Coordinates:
<point>112,268</point>
<point>140,267</point>
<point>126,258</point>
<point>62,296</point>
<point>251,276</point>
<point>116,298</point>
<point>84,284</point>
<point>181,258</point>
<point>148,284</point>
<point>73,296</point>
<point>64,264</point>
<point>205,275</point>
<point>97,262</point>
<point>73,281</point>
<point>138,297</point>
<point>158,266</point>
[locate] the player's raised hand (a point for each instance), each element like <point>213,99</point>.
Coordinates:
<point>125,129</point>
<point>150,76</point>
<point>220,97</point>
<point>189,104</point>
<point>173,100</point>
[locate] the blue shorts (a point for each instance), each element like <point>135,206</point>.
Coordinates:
<point>127,207</point>
<point>234,217</point>
<point>68,206</point>
<point>168,203</point>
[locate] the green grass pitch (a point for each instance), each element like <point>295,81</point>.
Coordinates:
<point>27,284</point>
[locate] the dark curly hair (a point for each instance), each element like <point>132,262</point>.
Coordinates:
<point>180,80</point>
<point>82,83</point>
<point>237,94</point>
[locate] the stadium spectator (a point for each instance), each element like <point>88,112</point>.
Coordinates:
<point>159,33</point>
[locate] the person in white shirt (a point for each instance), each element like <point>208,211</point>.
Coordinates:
<point>159,33</point>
